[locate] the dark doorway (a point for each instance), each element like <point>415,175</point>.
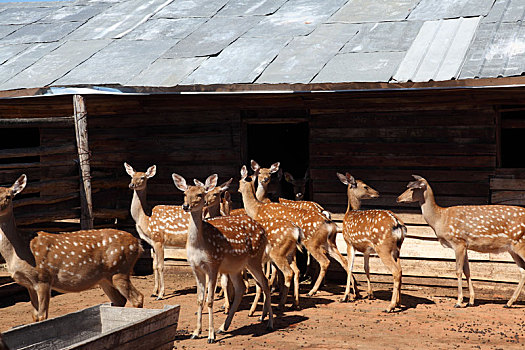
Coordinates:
<point>286,143</point>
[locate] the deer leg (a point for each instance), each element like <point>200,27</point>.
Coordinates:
<point>159,252</point>
<point>350,281</point>
<point>43,290</point>
<point>225,285</point>
<point>296,273</point>
<point>123,284</point>
<point>395,268</point>
<point>466,271</point>
<point>284,266</point>
<point>335,253</point>
<point>117,299</point>
<point>201,280</point>
<point>255,300</point>
<point>212,282</point>
<point>521,264</point>
<point>155,291</point>
<point>369,292</point>
<point>238,286</point>
<point>461,252</point>
<point>324,262</point>
<point>33,296</point>
<point>255,269</point>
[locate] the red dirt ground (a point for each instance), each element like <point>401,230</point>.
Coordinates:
<point>427,320</point>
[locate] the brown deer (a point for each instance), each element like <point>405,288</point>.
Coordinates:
<point>283,237</point>
<point>264,178</point>
<point>163,226</point>
<point>319,233</point>
<point>371,231</point>
<point>482,228</point>
<point>225,244</point>
<point>299,189</point>
<point>67,262</point>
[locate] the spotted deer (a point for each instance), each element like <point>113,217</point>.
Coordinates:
<point>299,189</point>
<point>225,244</point>
<point>482,228</point>
<point>163,226</point>
<point>369,231</point>
<point>67,262</point>
<point>319,233</point>
<point>264,178</point>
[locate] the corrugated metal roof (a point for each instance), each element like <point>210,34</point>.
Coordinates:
<point>168,43</point>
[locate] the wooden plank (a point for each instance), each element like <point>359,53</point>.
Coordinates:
<point>507,197</point>
<point>84,155</point>
<point>507,184</point>
<point>50,122</point>
<point>35,151</point>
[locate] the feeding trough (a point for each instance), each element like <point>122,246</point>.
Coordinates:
<point>100,327</point>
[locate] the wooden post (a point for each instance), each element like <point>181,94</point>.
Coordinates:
<point>86,204</point>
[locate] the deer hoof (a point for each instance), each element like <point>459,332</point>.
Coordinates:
<point>469,304</point>
<point>507,306</point>
<point>211,341</point>
<point>457,306</point>
<point>194,336</point>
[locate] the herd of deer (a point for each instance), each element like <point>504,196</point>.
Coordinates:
<point>222,242</point>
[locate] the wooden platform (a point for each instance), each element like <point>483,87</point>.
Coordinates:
<point>422,256</point>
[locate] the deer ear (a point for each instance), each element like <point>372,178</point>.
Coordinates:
<point>198,183</point>
<point>227,196</point>
<point>225,185</point>
<point>274,167</point>
<point>255,166</point>
<point>211,182</point>
<point>419,183</point>
<point>19,185</point>
<point>180,182</point>
<point>307,175</point>
<point>288,177</point>
<point>152,170</point>
<point>244,172</point>
<point>129,169</point>
<point>351,180</point>
<point>342,178</point>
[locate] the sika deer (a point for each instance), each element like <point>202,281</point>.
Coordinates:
<point>164,226</point>
<point>67,262</point>
<point>226,244</point>
<point>264,177</point>
<point>319,233</point>
<point>482,228</point>
<point>299,189</point>
<point>368,231</point>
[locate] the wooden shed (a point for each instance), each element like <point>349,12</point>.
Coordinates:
<point>335,89</point>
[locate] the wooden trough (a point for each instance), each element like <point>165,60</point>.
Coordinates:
<point>100,327</point>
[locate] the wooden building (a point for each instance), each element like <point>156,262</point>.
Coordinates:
<point>194,113</point>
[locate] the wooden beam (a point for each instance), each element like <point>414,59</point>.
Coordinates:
<point>86,204</point>
<point>51,122</point>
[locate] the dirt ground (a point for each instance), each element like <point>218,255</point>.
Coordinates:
<point>426,321</point>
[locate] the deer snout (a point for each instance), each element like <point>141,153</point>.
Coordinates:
<point>186,207</point>
<point>299,196</point>
<point>131,185</point>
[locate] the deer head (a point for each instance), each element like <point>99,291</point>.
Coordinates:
<point>8,193</point>
<point>213,197</point>
<point>194,195</point>
<point>415,191</point>
<point>264,174</point>
<point>357,188</point>
<point>299,185</point>
<point>139,179</point>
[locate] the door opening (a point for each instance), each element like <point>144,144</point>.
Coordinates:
<point>286,143</point>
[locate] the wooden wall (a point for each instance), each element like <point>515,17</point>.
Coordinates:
<point>449,137</point>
